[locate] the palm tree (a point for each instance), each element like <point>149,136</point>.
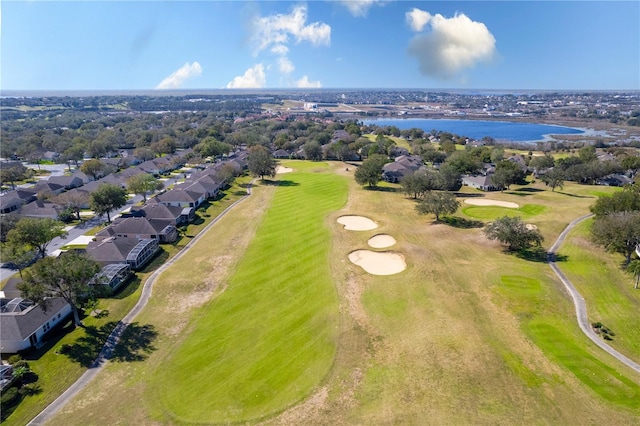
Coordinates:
<point>634,269</point>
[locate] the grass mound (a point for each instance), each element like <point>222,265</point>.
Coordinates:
<point>269,339</point>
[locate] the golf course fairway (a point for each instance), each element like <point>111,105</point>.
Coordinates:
<point>270,338</point>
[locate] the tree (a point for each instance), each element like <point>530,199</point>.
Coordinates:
<point>370,171</point>
<point>587,154</point>
<point>66,276</point>
<point>143,183</point>
<point>626,200</point>
<point>554,178</point>
<point>20,255</point>
<point>514,233</point>
<point>634,269</point>
<point>93,168</point>
<point>144,154</point>
<point>438,203</point>
<point>73,201</point>
<point>7,223</point>
<point>507,173</point>
<point>106,198</point>
<point>36,233</point>
<point>261,162</point>
<point>541,162</point>
<point>312,151</point>
<point>211,147</point>
<point>74,153</point>
<point>618,232</point>
<point>464,162</point>
<point>227,174</point>
<point>419,183</point>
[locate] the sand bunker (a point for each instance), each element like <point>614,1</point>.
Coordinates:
<point>381,241</point>
<point>487,202</point>
<point>357,223</point>
<point>282,169</point>
<point>376,263</point>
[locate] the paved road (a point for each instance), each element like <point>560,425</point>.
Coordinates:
<point>113,338</point>
<point>578,300</point>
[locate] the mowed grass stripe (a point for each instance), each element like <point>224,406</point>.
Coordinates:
<point>270,338</point>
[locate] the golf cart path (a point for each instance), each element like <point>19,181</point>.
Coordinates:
<point>578,300</point>
<point>114,337</point>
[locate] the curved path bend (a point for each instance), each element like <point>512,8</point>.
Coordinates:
<point>114,337</point>
<point>578,300</point>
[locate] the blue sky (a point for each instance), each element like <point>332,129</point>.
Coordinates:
<point>126,45</point>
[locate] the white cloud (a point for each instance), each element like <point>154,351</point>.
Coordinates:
<point>182,74</point>
<point>276,30</point>
<point>359,7</point>
<point>417,19</point>
<point>253,78</point>
<point>304,82</point>
<point>285,65</point>
<point>453,44</point>
<point>280,49</point>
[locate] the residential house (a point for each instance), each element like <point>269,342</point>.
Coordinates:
<point>402,166</point>
<point>205,186</point>
<point>281,154</point>
<point>12,200</point>
<point>162,230</point>
<point>130,172</point>
<point>483,183</point>
<point>160,211</point>
<point>83,176</point>
<point>68,182</point>
<point>40,209</point>
<point>115,163</point>
<point>614,180</point>
<point>24,325</point>
<point>180,198</point>
<point>50,187</point>
<point>136,253</point>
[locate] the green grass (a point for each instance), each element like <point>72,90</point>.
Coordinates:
<point>493,212</point>
<point>270,338</point>
<point>530,301</point>
<point>607,289</point>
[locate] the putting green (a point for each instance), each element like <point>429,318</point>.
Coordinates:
<point>270,338</point>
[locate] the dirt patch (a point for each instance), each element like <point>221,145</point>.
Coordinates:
<point>487,202</point>
<point>381,241</point>
<point>376,263</point>
<point>357,223</point>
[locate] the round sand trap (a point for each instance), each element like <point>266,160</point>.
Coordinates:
<point>357,223</point>
<point>381,241</point>
<point>487,202</point>
<point>282,169</point>
<point>530,226</point>
<point>376,263</point>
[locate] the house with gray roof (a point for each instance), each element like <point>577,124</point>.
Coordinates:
<point>24,325</point>
<point>67,181</point>
<point>136,253</point>
<point>40,209</point>
<point>201,186</point>
<point>162,230</point>
<point>12,200</point>
<point>47,186</point>
<point>180,198</point>
<point>160,211</point>
<point>402,166</point>
<point>483,183</point>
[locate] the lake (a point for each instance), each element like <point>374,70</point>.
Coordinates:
<point>502,131</point>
